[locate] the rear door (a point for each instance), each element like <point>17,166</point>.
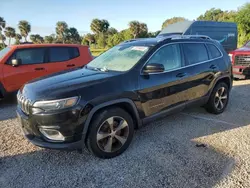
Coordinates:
<point>32,67</point>
<point>200,70</point>
<point>62,58</point>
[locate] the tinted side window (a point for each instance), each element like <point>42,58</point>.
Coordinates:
<point>30,56</point>
<point>195,53</point>
<point>169,56</point>
<point>58,54</point>
<point>214,52</point>
<point>74,52</point>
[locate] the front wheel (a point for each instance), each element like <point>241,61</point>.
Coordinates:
<point>218,100</point>
<point>111,132</point>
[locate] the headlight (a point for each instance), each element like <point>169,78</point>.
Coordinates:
<point>56,104</point>
<point>230,57</point>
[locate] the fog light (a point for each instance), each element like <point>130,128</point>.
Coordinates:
<point>52,134</point>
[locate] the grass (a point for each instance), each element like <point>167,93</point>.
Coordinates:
<point>97,52</point>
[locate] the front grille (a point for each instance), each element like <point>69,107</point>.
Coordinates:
<point>243,60</point>
<point>24,103</point>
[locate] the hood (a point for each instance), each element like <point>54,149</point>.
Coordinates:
<point>64,82</point>
<point>243,49</point>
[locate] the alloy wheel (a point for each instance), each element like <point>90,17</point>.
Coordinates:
<point>220,98</point>
<point>112,134</point>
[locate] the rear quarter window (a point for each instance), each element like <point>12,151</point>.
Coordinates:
<point>58,54</point>
<point>213,51</point>
<point>74,52</point>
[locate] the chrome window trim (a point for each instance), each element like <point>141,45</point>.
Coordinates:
<point>141,72</point>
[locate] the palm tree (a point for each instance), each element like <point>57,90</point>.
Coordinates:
<point>61,30</point>
<point>18,37</point>
<point>37,39</point>
<point>10,32</point>
<point>24,28</point>
<point>2,38</point>
<point>73,36</point>
<point>96,26</point>
<point>2,23</point>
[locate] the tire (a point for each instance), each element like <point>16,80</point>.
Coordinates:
<point>214,105</point>
<point>100,136</point>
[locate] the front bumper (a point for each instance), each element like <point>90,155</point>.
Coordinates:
<point>69,123</point>
<point>241,72</point>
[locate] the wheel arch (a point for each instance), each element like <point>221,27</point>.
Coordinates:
<point>127,104</point>
<point>225,79</point>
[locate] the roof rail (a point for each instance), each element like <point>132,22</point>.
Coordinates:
<point>172,37</point>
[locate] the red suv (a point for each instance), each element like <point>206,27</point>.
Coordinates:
<point>241,62</point>
<point>22,63</point>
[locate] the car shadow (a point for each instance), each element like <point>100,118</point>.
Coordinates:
<point>166,153</point>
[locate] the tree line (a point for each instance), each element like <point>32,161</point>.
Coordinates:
<point>104,36</point>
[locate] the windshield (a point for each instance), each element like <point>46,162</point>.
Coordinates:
<point>4,51</point>
<point>248,44</point>
<point>119,58</point>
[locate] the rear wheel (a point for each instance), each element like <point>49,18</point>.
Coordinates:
<point>111,132</point>
<point>218,100</point>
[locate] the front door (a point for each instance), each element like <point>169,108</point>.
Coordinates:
<point>164,90</point>
<point>32,66</point>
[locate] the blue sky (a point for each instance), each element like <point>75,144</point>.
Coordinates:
<point>43,14</point>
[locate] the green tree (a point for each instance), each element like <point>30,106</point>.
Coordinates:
<point>114,39</point>
<point>10,33</point>
<point>172,21</point>
<point>18,38</point>
<point>243,21</point>
<point>2,23</point>
<point>90,38</point>
<point>49,39</point>
<point>24,28</point>
<point>138,29</point>
<point>112,31</point>
<point>36,39</point>
<point>228,16</point>
<point>211,15</point>
<point>73,36</point>
<point>126,34</point>
<point>84,41</point>
<point>101,42</point>
<point>61,31</point>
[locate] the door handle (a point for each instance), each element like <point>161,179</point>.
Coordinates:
<point>182,74</point>
<point>71,65</point>
<point>213,67</point>
<point>40,68</point>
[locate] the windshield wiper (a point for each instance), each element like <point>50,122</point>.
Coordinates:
<point>104,69</point>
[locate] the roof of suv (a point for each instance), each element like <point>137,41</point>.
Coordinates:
<point>45,45</point>
<point>157,40</point>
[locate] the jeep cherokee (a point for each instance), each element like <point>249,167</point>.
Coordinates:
<point>100,105</point>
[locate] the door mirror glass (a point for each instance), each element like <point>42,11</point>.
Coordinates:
<point>153,68</point>
<point>15,62</point>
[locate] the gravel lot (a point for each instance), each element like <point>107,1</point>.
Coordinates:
<point>162,154</point>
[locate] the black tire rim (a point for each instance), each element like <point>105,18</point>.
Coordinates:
<point>220,99</point>
<point>112,134</point>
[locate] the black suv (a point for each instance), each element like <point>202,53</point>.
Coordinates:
<point>100,105</point>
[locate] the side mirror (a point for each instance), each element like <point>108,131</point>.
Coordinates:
<point>16,62</point>
<point>153,68</point>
